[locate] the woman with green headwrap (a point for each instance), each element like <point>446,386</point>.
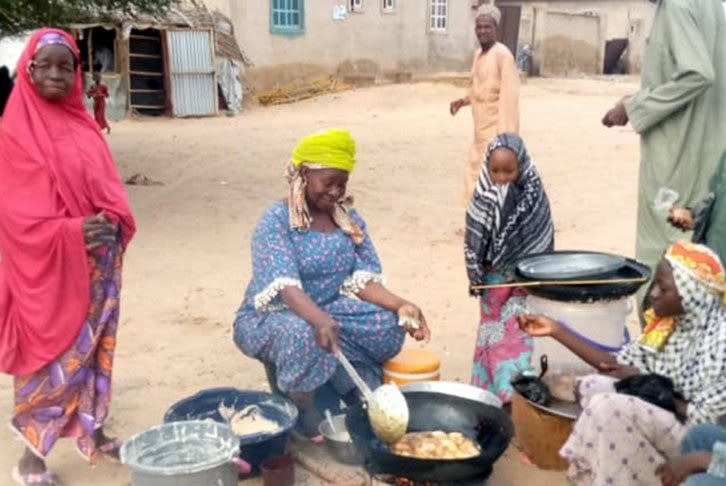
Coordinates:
<point>317,287</point>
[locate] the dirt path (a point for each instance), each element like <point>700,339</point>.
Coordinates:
<point>187,269</point>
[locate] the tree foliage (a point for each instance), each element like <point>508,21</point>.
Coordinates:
<point>18,16</point>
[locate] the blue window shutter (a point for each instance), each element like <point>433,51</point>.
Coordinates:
<point>287,17</point>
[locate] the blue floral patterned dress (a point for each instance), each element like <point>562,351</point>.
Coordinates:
<point>330,268</point>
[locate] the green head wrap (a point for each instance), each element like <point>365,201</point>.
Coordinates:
<point>333,148</point>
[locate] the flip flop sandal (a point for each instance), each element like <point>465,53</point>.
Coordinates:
<point>31,479</point>
<point>113,445</point>
<point>301,437</point>
<point>306,429</point>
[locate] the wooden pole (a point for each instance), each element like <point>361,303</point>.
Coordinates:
<point>90,51</point>
<point>559,283</point>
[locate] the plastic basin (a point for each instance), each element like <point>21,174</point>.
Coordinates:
<point>185,453</point>
<point>253,448</point>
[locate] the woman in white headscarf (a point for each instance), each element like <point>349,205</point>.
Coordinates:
<point>620,438</point>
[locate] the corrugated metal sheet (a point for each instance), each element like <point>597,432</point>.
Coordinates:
<point>191,65</point>
<point>193,95</point>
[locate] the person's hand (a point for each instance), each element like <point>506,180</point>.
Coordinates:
<point>617,116</point>
<point>420,330</point>
<point>677,469</point>
<point>326,336</point>
<point>681,218</point>
<point>617,370</point>
<point>577,392</point>
<point>99,231</point>
<point>456,105</point>
<point>681,409</point>
<point>537,326</point>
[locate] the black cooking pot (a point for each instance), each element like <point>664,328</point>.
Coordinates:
<point>585,293</point>
<point>437,407</point>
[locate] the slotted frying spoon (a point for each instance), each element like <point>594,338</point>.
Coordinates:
<point>387,407</point>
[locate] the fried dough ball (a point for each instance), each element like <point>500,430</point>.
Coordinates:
<point>436,445</point>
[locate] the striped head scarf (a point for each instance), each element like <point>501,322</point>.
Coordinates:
<point>328,149</point>
<point>504,223</point>
<point>694,356</point>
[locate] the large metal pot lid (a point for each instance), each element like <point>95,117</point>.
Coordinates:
<point>569,265</point>
<point>454,389</point>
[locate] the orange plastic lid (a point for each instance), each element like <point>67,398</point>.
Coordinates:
<point>414,361</point>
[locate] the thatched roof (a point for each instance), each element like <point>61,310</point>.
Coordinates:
<point>185,15</point>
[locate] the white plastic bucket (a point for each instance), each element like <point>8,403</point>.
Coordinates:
<point>603,323</point>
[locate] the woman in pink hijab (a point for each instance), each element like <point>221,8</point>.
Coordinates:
<point>64,225</point>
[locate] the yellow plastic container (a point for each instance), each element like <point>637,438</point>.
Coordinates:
<point>412,365</point>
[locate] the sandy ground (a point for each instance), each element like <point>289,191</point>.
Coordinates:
<point>187,268</point>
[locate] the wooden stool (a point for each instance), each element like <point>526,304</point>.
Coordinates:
<point>540,434</point>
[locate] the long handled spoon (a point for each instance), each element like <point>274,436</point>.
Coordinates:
<point>387,407</point>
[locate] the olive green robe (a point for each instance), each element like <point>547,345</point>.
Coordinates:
<point>680,113</point>
<point>709,215</point>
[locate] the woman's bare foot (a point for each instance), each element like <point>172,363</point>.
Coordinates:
<point>309,417</point>
<point>109,447</point>
<point>32,470</point>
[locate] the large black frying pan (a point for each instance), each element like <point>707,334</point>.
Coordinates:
<point>489,426</point>
<point>585,293</point>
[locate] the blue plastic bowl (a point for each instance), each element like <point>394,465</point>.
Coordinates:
<point>253,448</point>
